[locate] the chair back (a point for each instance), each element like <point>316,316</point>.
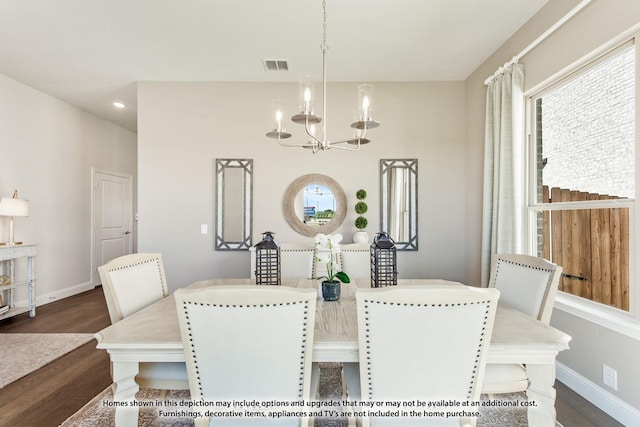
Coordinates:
<point>132,282</point>
<point>526,283</point>
<point>297,260</point>
<point>248,342</point>
<point>422,342</point>
<point>356,260</point>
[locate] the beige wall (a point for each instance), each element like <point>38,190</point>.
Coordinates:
<point>599,22</point>
<point>47,151</point>
<point>184,127</point>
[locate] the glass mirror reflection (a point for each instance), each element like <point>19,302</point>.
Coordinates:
<point>399,201</point>
<point>319,205</point>
<point>234,187</point>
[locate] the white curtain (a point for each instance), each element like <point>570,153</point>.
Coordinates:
<point>504,174</point>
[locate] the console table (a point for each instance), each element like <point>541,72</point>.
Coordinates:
<point>8,257</point>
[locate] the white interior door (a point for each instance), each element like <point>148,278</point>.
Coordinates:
<point>113,218</point>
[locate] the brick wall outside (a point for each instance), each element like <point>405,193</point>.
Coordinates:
<point>587,130</point>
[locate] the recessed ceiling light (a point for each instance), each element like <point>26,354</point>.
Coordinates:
<point>119,104</point>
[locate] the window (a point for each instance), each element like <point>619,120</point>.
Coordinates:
<point>583,178</point>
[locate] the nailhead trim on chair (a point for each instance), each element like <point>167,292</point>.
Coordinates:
<point>156,260</point>
<point>482,336</point>
<point>519,264</point>
<point>354,251</point>
<point>304,334</point>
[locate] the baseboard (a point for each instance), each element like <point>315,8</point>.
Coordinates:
<point>605,401</point>
<point>63,293</point>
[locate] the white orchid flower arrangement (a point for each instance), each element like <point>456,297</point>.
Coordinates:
<point>328,251</point>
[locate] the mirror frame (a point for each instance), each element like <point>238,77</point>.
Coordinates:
<point>412,166</point>
<point>247,204</point>
<point>298,185</point>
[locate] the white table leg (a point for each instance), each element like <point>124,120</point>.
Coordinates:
<point>315,380</point>
<point>124,390</point>
<point>542,394</point>
<point>351,375</point>
<point>351,384</point>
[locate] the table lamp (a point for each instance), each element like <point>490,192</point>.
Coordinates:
<point>12,207</point>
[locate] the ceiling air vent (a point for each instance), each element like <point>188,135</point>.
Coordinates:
<point>275,64</point>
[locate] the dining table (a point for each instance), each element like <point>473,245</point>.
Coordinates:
<point>153,335</point>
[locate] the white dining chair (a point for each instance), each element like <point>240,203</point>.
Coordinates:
<point>528,284</point>
<point>131,283</point>
<point>297,260</point>
<point>355,260</point>
<point>300,260</point>
<point>248,343</point>
<point>423,343</point>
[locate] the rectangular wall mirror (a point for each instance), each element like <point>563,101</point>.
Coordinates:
<point>234,187</point>
<point>399,201</point>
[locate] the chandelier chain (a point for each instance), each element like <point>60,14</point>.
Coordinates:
<point>324,26</point>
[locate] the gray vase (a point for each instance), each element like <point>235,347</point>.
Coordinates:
<point>331,290</point>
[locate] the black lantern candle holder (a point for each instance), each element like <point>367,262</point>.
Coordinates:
<point>384,268</point>
<point>267,260</point>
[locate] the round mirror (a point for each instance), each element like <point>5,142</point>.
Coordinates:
<point>313,204</point>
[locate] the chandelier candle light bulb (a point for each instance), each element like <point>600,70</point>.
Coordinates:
<point>364,95</point>
<point>279,120</point>
<point>306,92</point>
<point>307,101</point>
<point>365,108</point>
<point>278,113</point>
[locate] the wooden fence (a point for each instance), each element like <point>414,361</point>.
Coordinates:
<point>591,245</point>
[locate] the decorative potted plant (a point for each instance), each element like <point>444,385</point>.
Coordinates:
<point>361,222</point>
<point>328,251</point>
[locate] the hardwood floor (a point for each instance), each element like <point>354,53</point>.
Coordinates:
<point>575,411</point>
<point>51,394</point>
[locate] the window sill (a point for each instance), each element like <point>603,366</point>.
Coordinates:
<point>608,317</point>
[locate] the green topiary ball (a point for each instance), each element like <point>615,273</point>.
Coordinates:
<point>361,194</point>
<point>361,223</point>
<point>361,207</point>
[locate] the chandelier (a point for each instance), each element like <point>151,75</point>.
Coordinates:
<point>309,119</point>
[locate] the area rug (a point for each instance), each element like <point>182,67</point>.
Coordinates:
<point>21,354</point>
<point>99,411</point>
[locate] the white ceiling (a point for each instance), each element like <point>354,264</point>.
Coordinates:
<point>90,53</point>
